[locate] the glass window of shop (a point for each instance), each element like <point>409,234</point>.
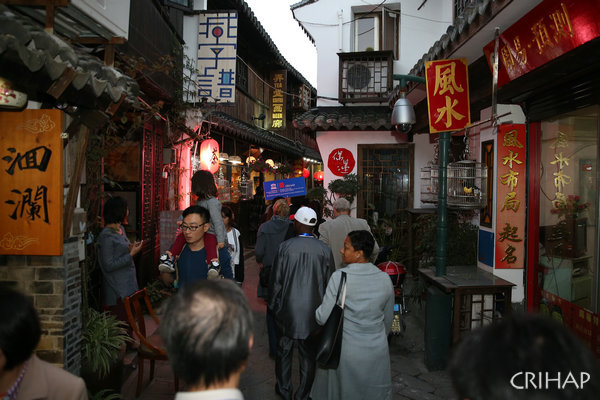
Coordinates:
<point>568,254</point>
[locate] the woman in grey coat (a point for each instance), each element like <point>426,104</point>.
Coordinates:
<point>364,369</point>
<point>115,256</point>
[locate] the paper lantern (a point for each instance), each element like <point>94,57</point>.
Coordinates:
<point>270,163</point>
<point>209,155</point>
<point>305,172</point>
<point>250,160</point>
<point>319,175</point>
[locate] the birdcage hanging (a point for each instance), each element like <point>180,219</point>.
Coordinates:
<point>430,183</point>
<point>467,183</point>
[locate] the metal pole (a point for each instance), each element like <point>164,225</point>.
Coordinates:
<point>442,211</point>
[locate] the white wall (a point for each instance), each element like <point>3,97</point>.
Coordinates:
<point>111,14</point>
<point>328,141</point>
<point>328,21</point>
<point>423,153</point>
<point>190,35</point>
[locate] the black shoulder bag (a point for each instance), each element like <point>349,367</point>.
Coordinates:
<point>329,342</point>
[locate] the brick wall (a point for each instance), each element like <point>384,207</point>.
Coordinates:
<point>54,285</point>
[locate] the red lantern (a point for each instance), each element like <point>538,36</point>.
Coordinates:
<point>209,155</point>
<point>319,176</point>
<point>305,172</point>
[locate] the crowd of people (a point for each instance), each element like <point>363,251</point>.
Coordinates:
<point>207,326</point>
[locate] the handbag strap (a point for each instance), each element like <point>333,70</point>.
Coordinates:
<point>342,283</point>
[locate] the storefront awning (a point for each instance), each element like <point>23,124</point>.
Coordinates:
<point>261,137</point>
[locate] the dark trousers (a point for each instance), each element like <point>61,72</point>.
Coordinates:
<point>283,368</point>
<point>272,334</point>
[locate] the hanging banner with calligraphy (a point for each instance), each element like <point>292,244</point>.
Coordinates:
<point>279,88</point>
<point>341,161</point>
<point>32,182</point>
<point>510,203</point>
<point>448,94</point>
<point>217,52</point>
<point>551,29</point>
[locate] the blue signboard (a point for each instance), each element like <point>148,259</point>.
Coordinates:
<point>285,188</point>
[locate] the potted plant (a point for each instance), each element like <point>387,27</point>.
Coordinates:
<point>346,187</point>
<point>102,349</point>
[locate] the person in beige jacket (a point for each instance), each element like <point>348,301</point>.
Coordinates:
<point>23,376</point>
<point>333,232</point>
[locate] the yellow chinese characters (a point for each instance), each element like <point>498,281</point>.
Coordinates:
<point>445,82</point>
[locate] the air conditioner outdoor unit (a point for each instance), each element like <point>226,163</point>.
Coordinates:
<point>365,76</point>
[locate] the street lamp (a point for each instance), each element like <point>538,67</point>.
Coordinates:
<point>403,118</point>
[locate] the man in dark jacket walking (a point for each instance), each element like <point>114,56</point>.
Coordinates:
<point>299,277</point>
<point>270,235</point>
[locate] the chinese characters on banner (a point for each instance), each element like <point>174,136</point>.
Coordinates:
<point>448,95</point>
<point>341,162</point>
<point>545,33</point>
<point>510,204</point>
<point>217,50</point>
<point>32,182</point>
<point>279,84</point>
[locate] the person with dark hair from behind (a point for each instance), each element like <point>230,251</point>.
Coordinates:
<point>23,376</point>
<point>207,330</point>
<point>524,357</point>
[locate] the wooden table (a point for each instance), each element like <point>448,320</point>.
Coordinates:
<point>479,297</point>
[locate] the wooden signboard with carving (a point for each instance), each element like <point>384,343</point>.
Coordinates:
<point>31,182</point>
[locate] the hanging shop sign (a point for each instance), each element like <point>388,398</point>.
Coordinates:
<point>285,188</point>
<point>448,94</point>
<point>341,162</point>
<point>217,51</point>
<point>510,204</point>
<point>550,30</point>
<point>32,182</point>
<point>209,155</point>
<point>279,85</point>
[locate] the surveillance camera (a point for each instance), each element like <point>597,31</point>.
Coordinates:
<point>405,128</point>
<point>403,115</point>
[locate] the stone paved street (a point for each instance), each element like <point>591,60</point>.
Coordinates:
<point>410,377</point>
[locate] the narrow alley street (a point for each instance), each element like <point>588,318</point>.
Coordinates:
<point>410,377</point>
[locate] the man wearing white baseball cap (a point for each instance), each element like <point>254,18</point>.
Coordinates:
<point>299,277</point>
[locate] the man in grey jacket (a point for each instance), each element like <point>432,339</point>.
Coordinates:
<point>334,232</point>
<point>299,277</point>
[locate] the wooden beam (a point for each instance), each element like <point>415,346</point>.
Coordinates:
<point>99,40</point>
<point>113,107</point>
<point>109,55</point>
<point>84,136</point>
<point>49,18</point>
<point>60,85</point>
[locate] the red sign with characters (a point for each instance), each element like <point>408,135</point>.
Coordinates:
<point>548,31</point>
<point>341,162</point>
<point>510,204</point>
<point>448,94</point>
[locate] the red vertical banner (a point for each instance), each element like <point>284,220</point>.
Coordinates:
<point>510,203</point>
<point>448,94</point>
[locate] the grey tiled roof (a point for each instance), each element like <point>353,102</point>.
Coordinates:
<point>346,118</point>
<point>26,49</point>
<point>261,137</point>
